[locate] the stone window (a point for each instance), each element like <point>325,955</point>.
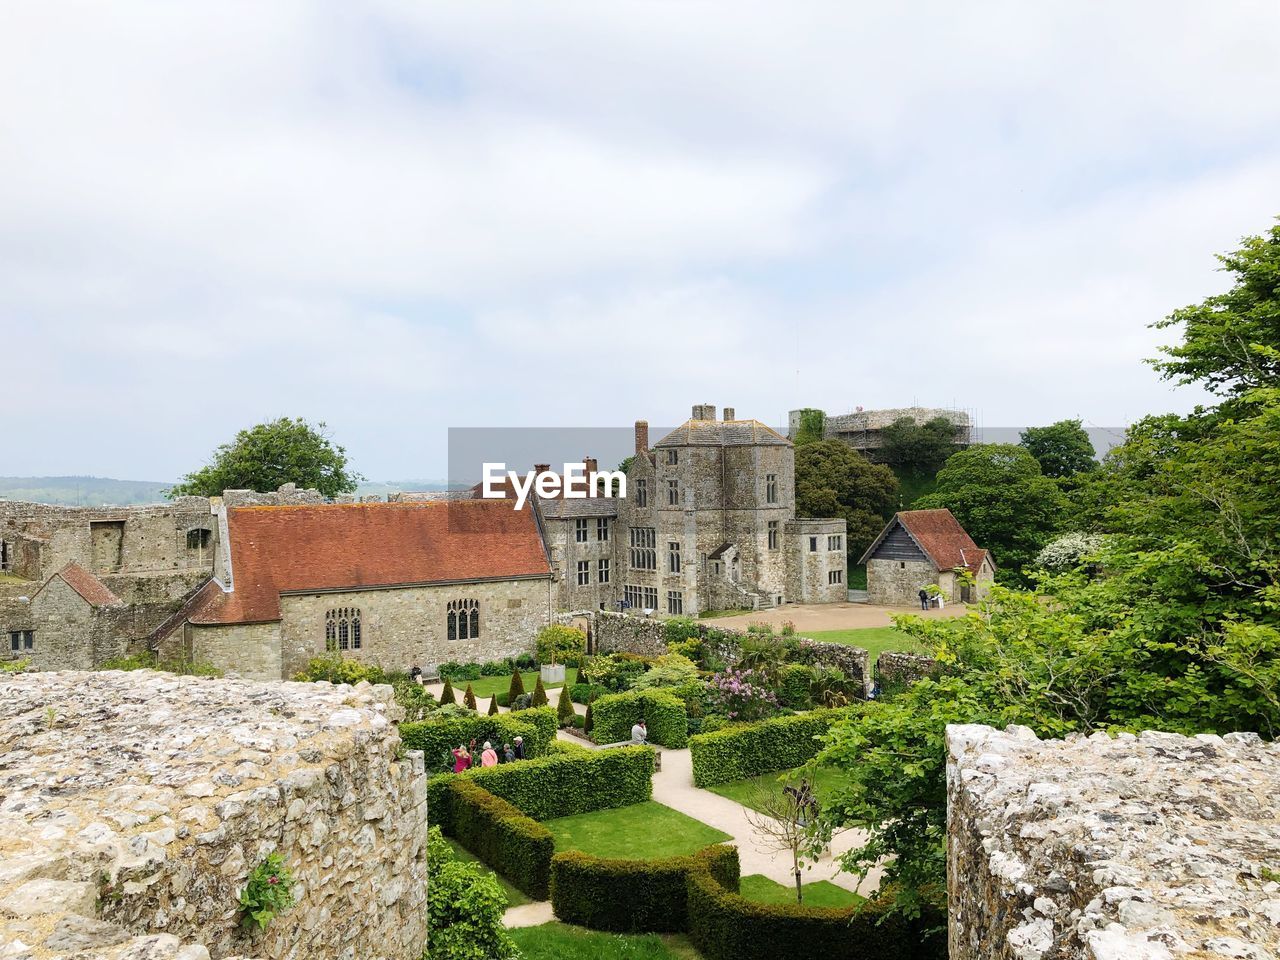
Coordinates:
<point>644,553</point>
<point>602,571</point>
<point>642,493</point>
<point>675,602</point>
<point>770,488</point>
<point>835,541</point>
<point>773,534</point>
<point>342,629</point>
<point>20,640</point>
<point>673,493</point>
<point>834,577</point>
<point>580,530</point>
<point>673,556</point>
<point>673,458</point>
<point>651,598</point>
<point>198,542</point>
<point>631,594</point>
<point>644,597</point>
<point>602,529</point>
<point>463,619</point>
<point>813,544</point>
<point>584,572</point>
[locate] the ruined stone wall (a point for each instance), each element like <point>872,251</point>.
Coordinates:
<point>897,583</point>
<point>136,804</point>
<point>1134,848</point>
<point>897,669</point>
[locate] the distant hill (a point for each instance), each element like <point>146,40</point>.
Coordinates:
<point>103,491</point>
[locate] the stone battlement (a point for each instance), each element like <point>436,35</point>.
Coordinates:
<point>136,804</point>
<point>1152,847</point>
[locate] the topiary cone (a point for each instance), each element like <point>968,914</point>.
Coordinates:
<point>539,695</point>
<point>447,695</point>
<point>516,689</point>
<point>493,705</point>
<point>587,722</point>
<point>577,674</point>
<point>469,699</point>
<point>564,708</point>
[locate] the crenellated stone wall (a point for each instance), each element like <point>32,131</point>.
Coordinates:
<point>1151,847</point>
<point>136,804</point>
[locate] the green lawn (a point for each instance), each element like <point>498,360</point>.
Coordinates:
<point>821,893</point>
<point>515,897</point>
<point>559,941</point>
<point>875,640</point>
<point>825,781</point>
<point>642,831</point>
<point>488,686</point>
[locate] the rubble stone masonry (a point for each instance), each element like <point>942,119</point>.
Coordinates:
<point>134,805</point>
<point>1152,847</point>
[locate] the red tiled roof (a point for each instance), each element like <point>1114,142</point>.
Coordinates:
<point>354,546</point>
<point>940,535</point>
<point>93,590</point>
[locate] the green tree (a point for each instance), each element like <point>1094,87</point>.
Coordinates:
<point>918,448</point>
<point>564,708</point>
<point>1062,449</point>
<point>560,644</point>
<point>469,699</point>
<point>834,480</point>
<point>447,696</point>
<point>269,455</point>
<point>812,427</point>
<point>1231,342</point>
<point>539,698</point>
<point>516,689</point>
<point>999,495</point>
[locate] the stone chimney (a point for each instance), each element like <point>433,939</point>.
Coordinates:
<point>642,437</point>
<point>540,468</point>
<point>704,411</point>
<point>591,464</point>
<point>729,414</point>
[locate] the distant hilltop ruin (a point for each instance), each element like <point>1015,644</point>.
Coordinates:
<point>863,429</point>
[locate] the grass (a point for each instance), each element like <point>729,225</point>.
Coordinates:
<point>821,893</point>
<point>825,780</point>
<point>515,897</point>
<point>7,578</point>
<point>488,686</point>
<point>559,941</point>
<point>875,640</point>
<point>642,831</point>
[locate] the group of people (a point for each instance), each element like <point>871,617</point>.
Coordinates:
<point>464,757</point>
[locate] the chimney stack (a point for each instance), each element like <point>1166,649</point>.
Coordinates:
<point>591,465</point>
<point>704,411</point>
<point>642,437</point>
<point>540,468</point>
<point>729,414</point>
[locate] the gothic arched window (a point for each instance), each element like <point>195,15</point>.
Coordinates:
<point>463,619</point>
<point>342,629</point>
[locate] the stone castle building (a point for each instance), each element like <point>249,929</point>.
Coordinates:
<point>863,429</point>
<point>918,549</point>
<point>708,523</point>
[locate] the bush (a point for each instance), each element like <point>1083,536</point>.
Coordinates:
<point>794,686</point>
<point>493,706</point>
<point>539,698</point>
<point>459,671</point>
<point>564,709</point>
<point>556,785</point>
<point>438,735</point>
<point>726,926</point>
<point>663,712</point>
<point>148,661</point>
<point>750,749</point>
<point>497,668</point>
<point>447,696</point>
<point>632,896</point>
<point>464,908</point>
<point>469,699</point>
<point>616,670</point>
<point>516,690</point>
<point>584,692</point>
<point>526,661</point>
<point>560,644</point>
<point>515,845</point>
<point>669,670</point>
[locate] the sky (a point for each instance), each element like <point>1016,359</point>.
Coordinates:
<point>402,217</point>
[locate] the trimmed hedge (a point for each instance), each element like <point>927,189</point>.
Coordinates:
<point>515,845</point>
<point>559,785</point>
<point>726,926</point>
<point>764,747</point>
<point>663,712</point>
<point>633,896</point>
<point>583,692</point>
<point>436,738</point>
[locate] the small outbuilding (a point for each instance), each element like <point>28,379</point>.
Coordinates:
<point>919,548</point>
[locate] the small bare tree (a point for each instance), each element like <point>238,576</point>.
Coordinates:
<point>789,820</point>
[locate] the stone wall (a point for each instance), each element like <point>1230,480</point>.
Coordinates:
<point>136,804</point>
<point>1135,848</point>
<point>897,669</point>
<point>897,583</point>
<point>809,570</point>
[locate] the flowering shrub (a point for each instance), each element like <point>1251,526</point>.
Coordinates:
<point>268,891</point>
<point>742,695</point>
<point>1069,551</point>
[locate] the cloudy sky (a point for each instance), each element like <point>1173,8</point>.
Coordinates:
<point>404,217</point>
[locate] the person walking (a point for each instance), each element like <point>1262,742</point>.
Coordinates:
<point>517,747</point>
<point>924,598</point>
<point>461,758</point>
<point>639,732</point>
<point>489,758</point>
